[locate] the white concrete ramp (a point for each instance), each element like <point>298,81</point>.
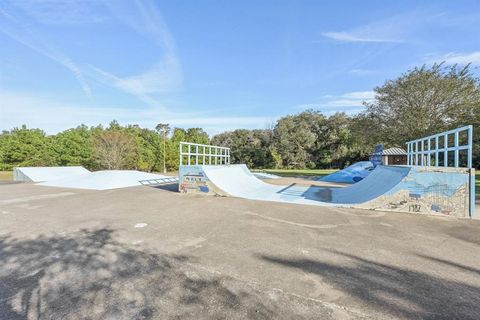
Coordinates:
<point>38,174</point>
<point>81,178</point>
<point>104,180</point>
<point>395,188</point>
<point>238,181</point>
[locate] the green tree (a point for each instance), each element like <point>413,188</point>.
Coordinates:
<point>423,101</point>
<point>74,147</point>
<point>296,138</point>
<point>25,147</point>
<point>115,148</point>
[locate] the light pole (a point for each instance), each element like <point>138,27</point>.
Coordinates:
<point>164,128</point>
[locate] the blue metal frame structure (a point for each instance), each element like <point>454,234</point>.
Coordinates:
<point>422,156</point>
<point>203,154</point>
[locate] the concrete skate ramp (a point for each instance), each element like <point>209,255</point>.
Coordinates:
<point>104,180</point>
<point>238,181</point>
<point>38,174</point>
<point>391,188</point>
<point>265,175</point>
<point>350,174</point>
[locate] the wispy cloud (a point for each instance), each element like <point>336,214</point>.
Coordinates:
<point>355,36</point>
<point>456,58</point>
<point>361,72</point>
<point>26,35</point>
<point>61,12</point>
<point>165,75</point>
<point>36,111</point>
<point>142,16</point>
<point>392,29</point>
<point>351,102</point>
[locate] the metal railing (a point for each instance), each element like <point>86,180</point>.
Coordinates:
<point>436,148</point>
<point>158,181</point>
<point>196,154</point>
<point>423,151</point>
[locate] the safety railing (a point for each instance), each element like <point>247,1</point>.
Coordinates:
<point>196,154</point>
<point>158,181</point>
<point>435,150</point>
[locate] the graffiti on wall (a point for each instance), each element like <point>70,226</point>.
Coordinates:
<point>192,179</point>
<point>426,190</point>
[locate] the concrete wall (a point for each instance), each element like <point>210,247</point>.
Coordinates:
<point>192,179</point>
<point>430,190</point>
<point>434,190</point>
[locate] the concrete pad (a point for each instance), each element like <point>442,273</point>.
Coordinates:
<point>80,256</point>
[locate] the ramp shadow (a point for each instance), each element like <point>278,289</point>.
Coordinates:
<point>172,187</point>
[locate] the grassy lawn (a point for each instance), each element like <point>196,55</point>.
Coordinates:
<point>6,175</point>
<point>299,172</point>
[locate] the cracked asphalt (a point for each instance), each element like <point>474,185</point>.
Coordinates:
<point>152,253</point>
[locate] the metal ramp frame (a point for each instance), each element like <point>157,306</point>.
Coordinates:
<point>160,181</point>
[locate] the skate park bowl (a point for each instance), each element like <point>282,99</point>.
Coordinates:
<point>437,190</point>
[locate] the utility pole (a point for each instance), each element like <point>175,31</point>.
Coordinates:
<point>164,152</point>
<point>164,128</point>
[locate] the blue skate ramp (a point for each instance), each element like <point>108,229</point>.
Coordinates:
<point>392,188</point>
<point>238,181</point>
<point>350,174</point>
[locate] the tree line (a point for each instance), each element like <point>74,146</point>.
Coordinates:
<point>420,102</point>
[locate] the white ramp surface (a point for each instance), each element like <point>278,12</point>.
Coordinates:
<point>38,174</point>
<point>238,181</point>
<point>434,190</point>
<point>104,180</point>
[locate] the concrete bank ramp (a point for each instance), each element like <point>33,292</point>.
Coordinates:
<point>104,180</point>
<point>350,174</point>
<point>38,174</point>
<point>395,188</point>
<point>81,178</point>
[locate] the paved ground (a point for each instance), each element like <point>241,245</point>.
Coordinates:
<point>147,253</point>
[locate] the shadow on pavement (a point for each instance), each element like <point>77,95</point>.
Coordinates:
<point>88,275</point>
<point>394,292</point>
<point>172,187</point>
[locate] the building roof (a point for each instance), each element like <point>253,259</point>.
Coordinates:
<point>394,152</point>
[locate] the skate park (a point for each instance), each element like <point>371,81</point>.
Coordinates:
<point>130,244</point>
<point>238,245</point>
<point>420,187</point>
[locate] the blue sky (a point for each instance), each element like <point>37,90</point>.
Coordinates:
<point>219,65</point>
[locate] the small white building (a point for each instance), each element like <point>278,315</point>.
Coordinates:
<point>394,156</point>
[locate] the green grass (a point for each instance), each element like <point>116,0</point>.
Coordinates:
<point>6,175</point>
<point>299,172</point>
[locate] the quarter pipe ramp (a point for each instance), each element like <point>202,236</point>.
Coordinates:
<point>396,188</point>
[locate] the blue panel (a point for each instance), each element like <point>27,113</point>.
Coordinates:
<point>456,148</point>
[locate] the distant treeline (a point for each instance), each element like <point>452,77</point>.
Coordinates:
<point>421,102</point>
